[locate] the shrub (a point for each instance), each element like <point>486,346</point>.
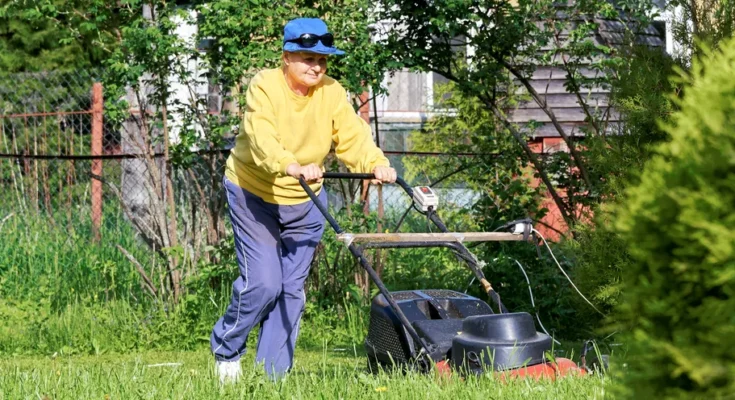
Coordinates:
<point>641,93</point>
<point>680,289</point>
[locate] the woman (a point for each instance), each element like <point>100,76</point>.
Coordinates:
<point>293,115</point>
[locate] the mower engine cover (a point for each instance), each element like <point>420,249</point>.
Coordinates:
<point>437,316</point>
<point>499,342</point>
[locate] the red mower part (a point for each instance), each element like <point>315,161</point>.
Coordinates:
<point>443,370</point>
<point>559,368</point>
<point>548,370</point>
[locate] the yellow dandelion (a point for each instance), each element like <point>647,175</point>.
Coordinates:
<point>58,373</point>
<point>381,389</point>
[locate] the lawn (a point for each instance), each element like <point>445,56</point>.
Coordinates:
<point>326,374</point>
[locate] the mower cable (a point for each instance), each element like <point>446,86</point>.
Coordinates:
<point>565,273</point>
<point>533,303</point>
<point>405,213</point>
<point>431,184</point>
<point>428,218</point>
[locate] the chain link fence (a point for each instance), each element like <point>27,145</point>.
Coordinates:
<point>46,121</point>
<point>65,158</point>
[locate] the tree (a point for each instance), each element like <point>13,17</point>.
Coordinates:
<point>693,23</point>
<point>496,171</point>
<point>152,59</point>
<point>643,94</point>
<point>53,34</point>
<point>508,42</point>
<point>677,227</point>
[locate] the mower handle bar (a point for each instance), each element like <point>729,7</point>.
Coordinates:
<point>460,249</point>
<point>353,175</point>
<point>361,176</point>
<point>430,351</point>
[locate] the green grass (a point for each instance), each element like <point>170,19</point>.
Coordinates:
<point>75,324</point>
<point>325,374</point>
<point>59,263</point>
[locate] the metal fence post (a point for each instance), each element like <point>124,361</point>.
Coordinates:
<point>381,213</point>
<point>97,110</point>
<point>365,115</point>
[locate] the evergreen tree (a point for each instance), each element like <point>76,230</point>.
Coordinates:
<point>55,34</point>
<point>679,301</point>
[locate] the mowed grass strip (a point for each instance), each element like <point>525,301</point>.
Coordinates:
<point>317,375</point>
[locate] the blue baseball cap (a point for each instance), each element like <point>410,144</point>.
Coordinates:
<point>300,26</point>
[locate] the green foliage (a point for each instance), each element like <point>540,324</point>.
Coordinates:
<point>150,52</point>
<point>56,266</point>
<point>501,178</point>
<point>642,93</point>
<point>677,225</point>
<point>247,37</point>
<point>56,34</point>
<point>428,38</point>
<point>508,42</point>
<point>599,257</point>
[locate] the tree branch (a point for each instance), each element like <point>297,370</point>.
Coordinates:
<point>540,169</point>
<point>550,113</point>
<point>147,282</point>
<point>563,209</point>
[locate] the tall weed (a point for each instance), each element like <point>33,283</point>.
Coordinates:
<point>40,261</point>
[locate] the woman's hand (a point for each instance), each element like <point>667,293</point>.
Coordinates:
<point>311,172</point>
<point>384,175</point>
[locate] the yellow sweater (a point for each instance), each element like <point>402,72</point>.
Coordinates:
<point>280,127</point>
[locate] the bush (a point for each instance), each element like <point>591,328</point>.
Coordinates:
<point>642,94</point>
<point>678,226</point>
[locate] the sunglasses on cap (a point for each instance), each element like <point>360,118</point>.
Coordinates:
<point>309,40</point>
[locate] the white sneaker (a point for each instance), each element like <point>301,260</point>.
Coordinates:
<point>228,371</point>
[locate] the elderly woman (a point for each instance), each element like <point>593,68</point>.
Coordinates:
<point>293,116</point>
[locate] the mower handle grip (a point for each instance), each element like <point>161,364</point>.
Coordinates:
<point>361,176</point>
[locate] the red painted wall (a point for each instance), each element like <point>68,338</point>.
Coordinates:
<point>552,225</point>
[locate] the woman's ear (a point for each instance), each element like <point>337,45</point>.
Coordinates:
<point>285,58</point>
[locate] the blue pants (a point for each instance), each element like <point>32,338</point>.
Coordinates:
<point>275,245</point>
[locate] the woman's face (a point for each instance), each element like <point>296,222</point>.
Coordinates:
<point>304,70</point>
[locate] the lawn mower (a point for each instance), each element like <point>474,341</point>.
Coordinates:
<point>446,329</point>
